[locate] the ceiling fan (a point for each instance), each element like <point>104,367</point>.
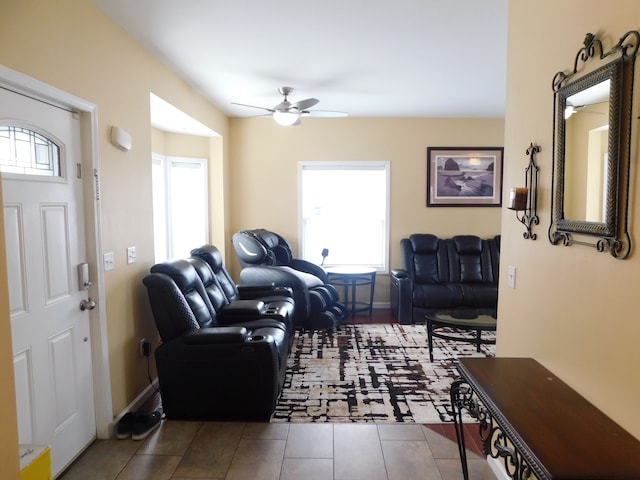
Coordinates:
<point>287,113</point>
<point>570,109</point>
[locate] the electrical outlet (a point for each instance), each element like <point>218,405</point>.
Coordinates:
<point>146,349</point>
<point>143,341</point>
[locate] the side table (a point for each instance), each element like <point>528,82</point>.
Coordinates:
<point>351,277</point>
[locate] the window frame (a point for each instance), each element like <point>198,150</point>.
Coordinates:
<point>166,162</point>
<point>381,165</point>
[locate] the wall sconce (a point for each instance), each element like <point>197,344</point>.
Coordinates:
<point>525,199</point>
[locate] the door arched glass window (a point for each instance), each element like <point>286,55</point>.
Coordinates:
<point>27,152</point>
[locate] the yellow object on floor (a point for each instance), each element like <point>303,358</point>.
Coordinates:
<point>35,462</point>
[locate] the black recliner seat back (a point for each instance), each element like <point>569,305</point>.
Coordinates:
<point>470,260</point>
<point>424,257</point>
<point>171,311</point>
<point>212,256</point>
<point>212,286</point>
<point>472,266</point>
<point>189,283</point>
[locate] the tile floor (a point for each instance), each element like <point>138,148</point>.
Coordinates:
<point>278,451</point>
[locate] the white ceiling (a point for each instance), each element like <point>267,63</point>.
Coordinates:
<point>370,58</point>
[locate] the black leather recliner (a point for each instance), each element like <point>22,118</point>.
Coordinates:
<point>266,257</point>
<point>227,361</point>
<point>458,273</point>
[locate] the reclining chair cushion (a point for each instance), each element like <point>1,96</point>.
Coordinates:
<point>216,335</point>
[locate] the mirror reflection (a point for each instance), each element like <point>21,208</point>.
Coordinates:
<point>586,117</point>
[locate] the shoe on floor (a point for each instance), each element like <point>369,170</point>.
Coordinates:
<point>124,428</point>
<point>145,424</point>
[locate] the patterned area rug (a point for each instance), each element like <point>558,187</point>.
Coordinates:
<point>371,373</point>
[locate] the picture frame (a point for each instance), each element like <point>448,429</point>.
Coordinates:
<point>464,176</point>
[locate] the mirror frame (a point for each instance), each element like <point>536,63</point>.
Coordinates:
<point>612,234</point>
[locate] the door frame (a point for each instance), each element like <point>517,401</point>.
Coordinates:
<point>93,231</point>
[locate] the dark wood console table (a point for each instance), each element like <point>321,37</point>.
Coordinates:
<point>539,425</point>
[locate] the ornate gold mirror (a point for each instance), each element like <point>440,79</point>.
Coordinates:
<point>592,128</point>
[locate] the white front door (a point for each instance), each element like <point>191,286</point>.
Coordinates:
<point>44,231</point>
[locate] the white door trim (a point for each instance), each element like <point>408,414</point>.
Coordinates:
<point>89,126</point>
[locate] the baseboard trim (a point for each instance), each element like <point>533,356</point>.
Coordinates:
<point>497,468</point>
<point>137,402</point>
<point>377,305</point>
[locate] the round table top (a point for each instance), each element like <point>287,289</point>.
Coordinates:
<point>466,319</point>
<point>350,270</point>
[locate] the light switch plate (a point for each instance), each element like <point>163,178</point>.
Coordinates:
<point>109,261</point>
<point>131,255</point>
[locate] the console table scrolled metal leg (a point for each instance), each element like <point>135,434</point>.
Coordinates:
<point>494,442</point>
<point>460,396</point>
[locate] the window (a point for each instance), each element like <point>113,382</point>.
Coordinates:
<point>180,206</point>
<point>344,207</point>
<point>26,152</point>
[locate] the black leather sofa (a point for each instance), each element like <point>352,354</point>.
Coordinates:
<point>458,273</point>
<point>266,257</point>
<point>224,351</point>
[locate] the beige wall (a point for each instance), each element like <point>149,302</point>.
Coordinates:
<point>264,173</point>
<point>573,309</point>
<point>72,46</point>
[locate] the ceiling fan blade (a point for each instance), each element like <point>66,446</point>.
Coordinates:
<point>325,114</point>
<point>304,104</point>
<point>252,106</point>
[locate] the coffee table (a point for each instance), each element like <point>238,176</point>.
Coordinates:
<point>457,322</point>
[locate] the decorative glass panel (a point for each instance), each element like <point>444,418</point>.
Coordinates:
<point>26,152</point>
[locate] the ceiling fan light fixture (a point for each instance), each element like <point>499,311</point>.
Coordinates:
<point>569,111</point>
<point>285,118</point>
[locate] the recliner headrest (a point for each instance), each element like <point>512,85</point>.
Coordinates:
<point>181,271</point>
<point>424,243</point>
<point>262,247</point>
<point>467,244</point>
<point>251,249</point>
<point>209,254</point>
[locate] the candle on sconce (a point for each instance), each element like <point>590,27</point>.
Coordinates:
<point>518,198</point>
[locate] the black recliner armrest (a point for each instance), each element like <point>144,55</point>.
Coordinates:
<point>248,292</point>
<point>242,310</point>
<point>399,273</point>
<point>401,288</point>
<point>216,335</point>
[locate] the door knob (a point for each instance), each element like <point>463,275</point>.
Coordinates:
<point>87,305</point>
